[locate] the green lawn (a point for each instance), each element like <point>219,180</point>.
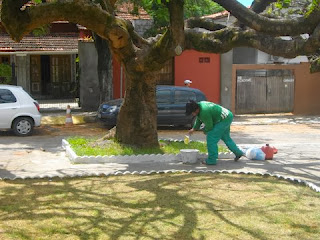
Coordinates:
<point>89,147</point>
<point>158,206</point>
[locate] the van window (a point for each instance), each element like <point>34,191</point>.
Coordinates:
<point>201,97</point>
<point>184,96</point>
<point>163,97</point>
<point>6,96</point>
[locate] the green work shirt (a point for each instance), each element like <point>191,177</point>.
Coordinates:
<point>210,114</point>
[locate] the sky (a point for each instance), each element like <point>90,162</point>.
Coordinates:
<point>246,3</point>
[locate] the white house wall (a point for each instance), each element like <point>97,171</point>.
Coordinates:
<point>142,25</point>
<point>262,57</point>
<point>265,58</point>
<point>227,21</point>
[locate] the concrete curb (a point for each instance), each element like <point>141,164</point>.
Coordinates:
<point>164,158</point>
<point>119,173</point>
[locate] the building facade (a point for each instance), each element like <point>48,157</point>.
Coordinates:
<point>45,65</point>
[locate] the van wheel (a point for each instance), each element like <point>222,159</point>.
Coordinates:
<point>22,126</point>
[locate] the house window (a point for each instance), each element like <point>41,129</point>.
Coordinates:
<point>35,73</point>
<point>35,68</point>
<point>165,75</point>
<point>60,75</point>
<point>4,60</point>
<point>60,69</point>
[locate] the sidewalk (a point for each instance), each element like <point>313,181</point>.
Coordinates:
<point>284,118</point>
<point>42,156</point>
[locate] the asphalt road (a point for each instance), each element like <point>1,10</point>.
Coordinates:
<point>41,155</point>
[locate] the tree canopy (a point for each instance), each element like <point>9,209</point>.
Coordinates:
<point>160,14</point>
<point>262,27</point>
<point>258,25</point>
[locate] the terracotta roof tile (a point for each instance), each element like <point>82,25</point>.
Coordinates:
<point>124,11</point>
<point>53,42</point>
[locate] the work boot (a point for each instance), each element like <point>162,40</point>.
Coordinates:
<point>208,162</point>
<point>236,159</point>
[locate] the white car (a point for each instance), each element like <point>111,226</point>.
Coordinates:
<point>18,110</point>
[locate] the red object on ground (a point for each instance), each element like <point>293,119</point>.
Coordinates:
<point>269,151</point>
<point>275,151</point>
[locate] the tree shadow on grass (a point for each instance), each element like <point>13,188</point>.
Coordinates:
<point>159,206</point>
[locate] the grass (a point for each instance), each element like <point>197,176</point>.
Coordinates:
<point>88,147</point>
<point>158,206</point>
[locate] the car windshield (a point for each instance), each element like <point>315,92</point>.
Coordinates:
<point>184,96</point>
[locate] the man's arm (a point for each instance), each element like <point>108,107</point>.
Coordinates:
<point>196,124</point>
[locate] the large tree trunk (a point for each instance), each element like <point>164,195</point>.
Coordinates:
<point>137,119</point>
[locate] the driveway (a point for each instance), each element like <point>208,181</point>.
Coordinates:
<point>41,155</point>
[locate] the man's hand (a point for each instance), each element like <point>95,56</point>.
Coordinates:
<point>191,131</point>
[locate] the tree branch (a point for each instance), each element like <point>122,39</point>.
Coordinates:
<point>259,6</point>
<point>20,22</point>
<point>203,23</point>
<point>176,12</point>
<point>168,45</point>
<point>275,27</point>
<point>224,40</point>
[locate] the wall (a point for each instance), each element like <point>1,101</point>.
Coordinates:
<point>89,83</point>
<point>306,92</point>
<point>307,97</point>
<point>244,55</point>
<point>23,71</point>
<point>203,69</point>
<point>226,76</point>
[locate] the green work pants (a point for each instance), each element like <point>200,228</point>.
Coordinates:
<point>221,130</point>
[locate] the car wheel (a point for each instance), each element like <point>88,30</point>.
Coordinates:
<point>22,126</point>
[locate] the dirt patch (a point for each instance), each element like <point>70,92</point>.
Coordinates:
<point>88,129</point>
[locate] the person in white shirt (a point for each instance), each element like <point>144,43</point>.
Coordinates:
<point>187,83</point>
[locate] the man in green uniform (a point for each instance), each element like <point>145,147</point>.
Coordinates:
<point>217,120</point>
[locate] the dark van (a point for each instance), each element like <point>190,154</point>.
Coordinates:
<point>171,102</point>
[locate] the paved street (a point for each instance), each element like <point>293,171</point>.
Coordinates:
<point>297,141</point>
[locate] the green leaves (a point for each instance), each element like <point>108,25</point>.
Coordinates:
<point>283,4</point>
<point>5,73</point>
<point>315,5</point>
<point>159,1</point>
